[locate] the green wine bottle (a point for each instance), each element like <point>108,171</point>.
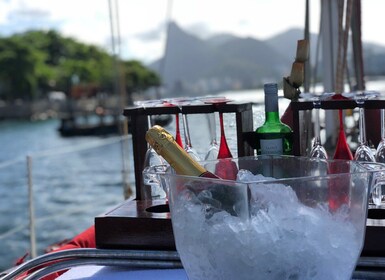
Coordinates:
<point>273,137</point>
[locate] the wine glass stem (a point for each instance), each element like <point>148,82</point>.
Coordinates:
<point>224,151</point>
<point>317,125</point>
<point>178,138</point>
<point>382,124</point>
<point>221,124</point>
<point>361,121</point>
<point>149,124</point>
<point>186,131</point>
<point>212,128</point>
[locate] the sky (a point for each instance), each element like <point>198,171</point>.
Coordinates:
<point>142,22</point>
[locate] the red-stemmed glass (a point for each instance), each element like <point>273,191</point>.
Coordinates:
<point>225,168</point>
<point>224,151</point>
<point>181,101</point>
<point>178,137</point>
<point>342,148</point>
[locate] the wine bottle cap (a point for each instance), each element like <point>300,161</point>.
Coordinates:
<point>271,97</point>
<point>271,88</point>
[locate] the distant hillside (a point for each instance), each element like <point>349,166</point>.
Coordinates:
<point>225,62</point>
<point>196,66</point>
<point>285,43</point>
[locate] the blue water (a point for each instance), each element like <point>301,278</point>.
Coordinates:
<point>74,180</point>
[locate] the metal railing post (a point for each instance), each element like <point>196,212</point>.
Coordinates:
<point>32,235</point>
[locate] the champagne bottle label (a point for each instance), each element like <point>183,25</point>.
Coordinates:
<point>271,146</point>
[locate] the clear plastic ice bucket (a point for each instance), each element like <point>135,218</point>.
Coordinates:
<point>284,218</point>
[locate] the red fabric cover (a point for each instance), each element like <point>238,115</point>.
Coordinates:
<point>86,239</point>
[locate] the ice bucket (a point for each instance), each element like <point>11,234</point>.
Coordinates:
<point>284,218</point>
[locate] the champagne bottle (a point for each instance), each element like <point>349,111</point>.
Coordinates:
<point>166,146</point>
<point>273,137</point>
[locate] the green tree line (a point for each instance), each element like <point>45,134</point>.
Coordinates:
<point>34,63</point>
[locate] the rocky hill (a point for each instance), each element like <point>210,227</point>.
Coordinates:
<point>195,66</point>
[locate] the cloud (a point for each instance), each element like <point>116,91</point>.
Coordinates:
<point>153,34</point>
<point>200,29</point>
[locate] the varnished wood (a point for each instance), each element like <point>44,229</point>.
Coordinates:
<point>135,224</point>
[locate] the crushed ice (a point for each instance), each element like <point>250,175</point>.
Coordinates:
<point>283,239</point>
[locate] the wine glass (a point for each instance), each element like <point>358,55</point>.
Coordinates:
<point>342,148</point>
<point>151,158</point>
<point>380,152</point>
<point>380,155</point>
<point>224,151</point>
<point>172,102</point>
<point>363,152</point>
<point>188,147</point>
<point>317,151</point>
<point>180,102</point>
<point>213,151</point>
<point>226,168</point>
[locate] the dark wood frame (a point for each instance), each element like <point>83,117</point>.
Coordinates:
<point>139,125</point>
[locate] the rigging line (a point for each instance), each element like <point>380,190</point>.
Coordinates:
<point>10,162</point>
<point>317,51</point>
<point>357,45</point>
<point>121,86</point>
<point>162,64</point>
<point>331,42</point>
<point>82,147</point>
<point>339,73</point>
<point>348,18</point>
<point>14,230</point>
<point>307,79</point>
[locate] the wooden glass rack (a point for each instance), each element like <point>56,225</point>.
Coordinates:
<point>303,105</point>
<point>138,122</point>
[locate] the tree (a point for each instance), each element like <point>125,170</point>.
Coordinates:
<point>18,69</point>
<point>36,62</point>
<point>138,77</point>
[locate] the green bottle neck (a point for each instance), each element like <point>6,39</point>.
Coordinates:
<point>272,117</point>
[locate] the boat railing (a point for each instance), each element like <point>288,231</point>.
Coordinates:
<point>57,261</point>
<point>52,195</point>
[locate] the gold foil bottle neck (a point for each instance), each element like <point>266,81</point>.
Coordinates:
<point>165,145</point>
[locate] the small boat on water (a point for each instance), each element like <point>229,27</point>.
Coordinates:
<point>100,126</point>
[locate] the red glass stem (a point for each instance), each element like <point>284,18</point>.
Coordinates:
<point>178,137</point>
<point>224,151</point>
<point>342,149</point>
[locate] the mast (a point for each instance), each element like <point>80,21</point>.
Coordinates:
<point>162,64</point>
<point>120,88</point>
<point>357,46</point>
<point>329,37</point>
